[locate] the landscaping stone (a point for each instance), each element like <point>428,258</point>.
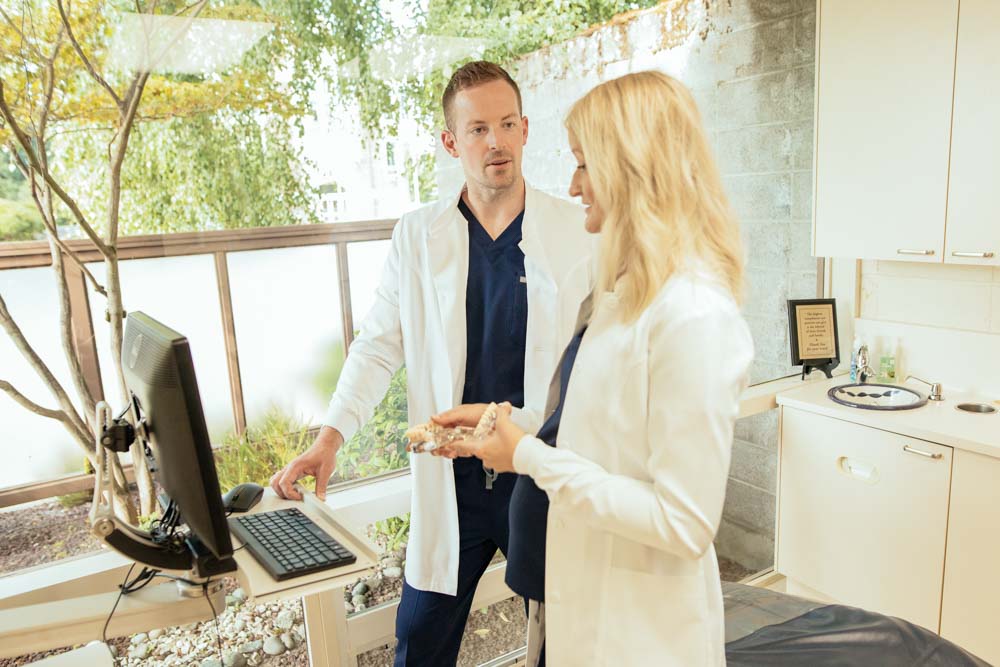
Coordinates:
<point>233,659</point>
<point>274,646</point>
<point>140,651</point>
<point>285,620</point>
<point>251,647</point>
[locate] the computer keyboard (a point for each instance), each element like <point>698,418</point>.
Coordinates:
<point>288,544</point>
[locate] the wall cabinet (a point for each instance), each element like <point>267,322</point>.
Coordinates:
<point>862,515</point>
<point>906,138</point>
<point>973,227</point>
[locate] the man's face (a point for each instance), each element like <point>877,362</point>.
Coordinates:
<point>488,134</point>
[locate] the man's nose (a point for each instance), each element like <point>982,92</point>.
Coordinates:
<point>493,138</point>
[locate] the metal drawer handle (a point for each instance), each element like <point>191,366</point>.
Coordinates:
<point>904,251</point>
<point>980,255</point>
<point>907,448</point>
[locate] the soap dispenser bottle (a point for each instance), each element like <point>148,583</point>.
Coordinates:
<point>855,347</point>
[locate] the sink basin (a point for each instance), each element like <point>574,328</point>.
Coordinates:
<point>976,408</point>
<point>876,396</point>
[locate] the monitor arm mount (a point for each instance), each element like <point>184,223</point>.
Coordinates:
<point>185,552</point>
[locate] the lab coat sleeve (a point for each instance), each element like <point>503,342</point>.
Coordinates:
<point>375,355</point>
<point>697,371</point>
<point>526,419</point>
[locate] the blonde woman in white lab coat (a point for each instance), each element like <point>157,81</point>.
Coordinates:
<point>637,477</point>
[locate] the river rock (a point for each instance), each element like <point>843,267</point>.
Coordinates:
<point>274,646</point>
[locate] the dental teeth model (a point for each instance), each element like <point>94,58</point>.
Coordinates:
<point>429,436</point>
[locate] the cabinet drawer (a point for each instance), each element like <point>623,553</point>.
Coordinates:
<point>862,515</point>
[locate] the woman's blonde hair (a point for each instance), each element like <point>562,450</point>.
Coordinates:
<point>653,174</point>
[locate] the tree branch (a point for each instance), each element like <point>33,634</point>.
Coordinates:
<point>50,85</point>
<point>81,437</point>
<point>17,336</point>
<point>30,405</point>
<point>24,39</point>
<point>86,62</point>
<point>50,226</point>
<point>66,331</point>
<point>25,142</point>
<point>118,157</point>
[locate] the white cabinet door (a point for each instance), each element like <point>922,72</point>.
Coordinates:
<point>862,515</point>
<point>974,196</point>
<point>970,613</point>
<point>884,85</point>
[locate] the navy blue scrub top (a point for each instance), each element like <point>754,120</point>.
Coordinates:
<point>529,505</point>
<point>496,317</point>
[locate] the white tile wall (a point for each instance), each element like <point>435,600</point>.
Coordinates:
<point>995,309</point>
<point>947,319</point>
<point>943,296</point>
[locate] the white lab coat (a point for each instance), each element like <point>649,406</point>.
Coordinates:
<point>419,319</point>
<point>637,481</point>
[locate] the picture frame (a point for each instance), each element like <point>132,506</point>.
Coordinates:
<point>813,336</point>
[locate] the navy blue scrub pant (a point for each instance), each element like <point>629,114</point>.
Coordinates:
<point>429,626</point>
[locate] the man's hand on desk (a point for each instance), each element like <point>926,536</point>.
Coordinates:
<point>318,461</point>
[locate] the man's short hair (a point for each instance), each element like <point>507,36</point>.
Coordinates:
<point>471,75</point>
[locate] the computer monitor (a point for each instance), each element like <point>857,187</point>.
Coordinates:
<point>159,373</point>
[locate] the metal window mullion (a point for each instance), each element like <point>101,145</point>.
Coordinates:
<point>346,309</point>
<point>84,341</point>
<point>229,334</point>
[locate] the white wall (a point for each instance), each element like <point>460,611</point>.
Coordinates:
<point>947,318</point>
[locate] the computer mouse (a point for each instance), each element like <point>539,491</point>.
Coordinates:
<point>242,497</point>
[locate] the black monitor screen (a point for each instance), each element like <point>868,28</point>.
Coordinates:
<point>160,374</point>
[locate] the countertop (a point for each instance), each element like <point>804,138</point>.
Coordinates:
<point>936,421</point>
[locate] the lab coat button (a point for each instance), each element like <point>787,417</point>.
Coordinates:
<point>554,596</point>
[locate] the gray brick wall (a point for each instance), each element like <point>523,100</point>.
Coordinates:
<point>750,64</point>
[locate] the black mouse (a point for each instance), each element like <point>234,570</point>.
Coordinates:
<point>242,497</point>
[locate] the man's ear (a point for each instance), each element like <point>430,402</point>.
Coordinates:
<point>524,130</point>
<point>448,141</point>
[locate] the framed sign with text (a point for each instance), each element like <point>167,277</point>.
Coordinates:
<point>812,331</point>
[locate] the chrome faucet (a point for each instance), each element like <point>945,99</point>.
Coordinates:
<point>935,388</point>
<point>864,369</point>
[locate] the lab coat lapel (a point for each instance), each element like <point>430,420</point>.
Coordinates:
<point>555,385</point>
<point>448,253</point>
<point>538,267</point>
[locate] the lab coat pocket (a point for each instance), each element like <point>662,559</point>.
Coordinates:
<point>653,619</point>
<point>642,559</point>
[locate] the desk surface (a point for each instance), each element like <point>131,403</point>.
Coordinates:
<point>75,610</point>
<point>261,587</point>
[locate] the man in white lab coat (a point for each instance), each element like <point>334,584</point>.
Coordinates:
<point>478,298</point>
